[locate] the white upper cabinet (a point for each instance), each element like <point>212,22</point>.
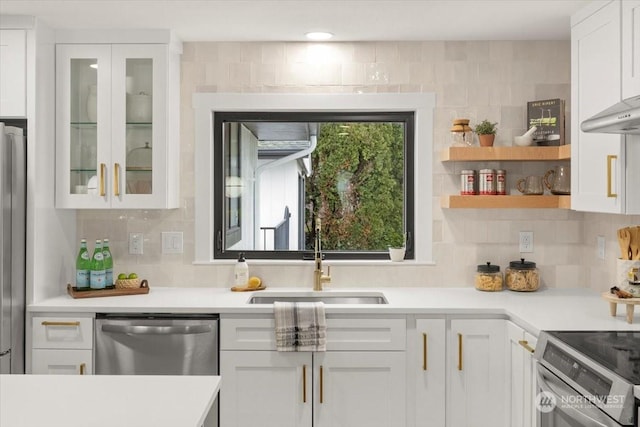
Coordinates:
<point>13,73</point>
<point>630,48</point>
<point>117,126</point>
<point>603,170</point>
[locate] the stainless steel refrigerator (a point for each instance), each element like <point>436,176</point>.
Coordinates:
<point>13,168</point>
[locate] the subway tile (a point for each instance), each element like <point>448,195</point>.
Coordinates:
<point>455,51</point>
<point>474,79</point>
<point>386,52</point>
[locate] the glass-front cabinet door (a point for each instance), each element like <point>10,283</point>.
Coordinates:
<point>112,126</point>
<point>83,104</point>
<point>139,118</point>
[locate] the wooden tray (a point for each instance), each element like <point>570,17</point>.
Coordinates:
<point>614,301</point>
<point>93,293</point>
<point>247,289</point>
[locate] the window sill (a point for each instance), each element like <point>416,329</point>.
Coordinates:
<point>342,263</point>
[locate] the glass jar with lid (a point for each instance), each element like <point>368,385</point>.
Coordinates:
<point>488,278</point>
<point>522,276</point>
<point>461,133</point>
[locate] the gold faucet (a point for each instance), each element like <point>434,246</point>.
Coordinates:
<point>318,275</point>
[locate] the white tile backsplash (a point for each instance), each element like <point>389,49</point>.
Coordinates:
<point>474,79</point>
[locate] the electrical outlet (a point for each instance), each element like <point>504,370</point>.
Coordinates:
<point>526,241</point>
<point>600,244</point>
<point>136,243</point>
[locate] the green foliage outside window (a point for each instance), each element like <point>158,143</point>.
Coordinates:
<point>357,187</point>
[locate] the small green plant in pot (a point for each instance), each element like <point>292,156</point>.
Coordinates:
<point>486,132</point>
<point>397,244</point>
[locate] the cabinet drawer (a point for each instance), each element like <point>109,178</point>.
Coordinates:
<point>62,332</point>
<point>342,334</point>
<point>61,362</point>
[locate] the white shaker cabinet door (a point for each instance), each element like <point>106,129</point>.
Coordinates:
<point>522,392</point>
<point>477,371</point>
<point>13,73</point>
<point>530,387</point>
<point>597,159</point>
<point>630,48</point>
<point>429,371</point>
<point>359,389</point>
<point>265,388</point>
<point>601,167</point>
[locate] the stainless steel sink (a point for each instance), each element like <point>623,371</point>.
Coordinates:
<point>327,298</point>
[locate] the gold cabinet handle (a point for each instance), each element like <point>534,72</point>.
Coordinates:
<point>304,383</point>
<point>424,351</point>
<point>103,168</point>
<point>321,385</point>
<point>459,352</point>
<point>50,323</point>
<point>525,344</point>
<point>83,367</point>
<point>116,179</point>
<point>610,159</point>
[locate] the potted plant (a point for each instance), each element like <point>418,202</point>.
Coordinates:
<point>397,243</point>
<point>486,132</point>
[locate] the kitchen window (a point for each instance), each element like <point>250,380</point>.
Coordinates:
<point>277,172</point>
<point>263,175</point>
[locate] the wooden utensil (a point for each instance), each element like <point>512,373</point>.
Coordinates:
<point>634,242</point>
<point>624,238</point>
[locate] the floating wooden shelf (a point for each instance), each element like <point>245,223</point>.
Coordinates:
<point>532,154</point>
<point>486,202</point>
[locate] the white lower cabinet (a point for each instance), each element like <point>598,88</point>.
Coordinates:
<point>351,384</point>
<point>359,389</point>
<point>476,368</point>
<point>521,363</point>
<point>265,388</point>
<point>323,389</point>
<point>62,344</point>
<point>427,367</point>
<point>61,362</point>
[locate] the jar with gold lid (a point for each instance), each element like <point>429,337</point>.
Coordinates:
<point>488,278</point>
<point>461,133</point>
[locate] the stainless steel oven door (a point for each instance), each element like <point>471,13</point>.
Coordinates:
<point>559,405</point>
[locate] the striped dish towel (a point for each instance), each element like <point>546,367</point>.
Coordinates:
<point>300,326</point>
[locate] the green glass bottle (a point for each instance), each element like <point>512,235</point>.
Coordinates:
<point>83,266</point>
<point>108,264</point>
<point>97,274</point>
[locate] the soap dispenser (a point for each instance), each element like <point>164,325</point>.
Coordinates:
<point>241,271</point>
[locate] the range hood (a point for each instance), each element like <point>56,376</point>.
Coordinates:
<point>623,117</point>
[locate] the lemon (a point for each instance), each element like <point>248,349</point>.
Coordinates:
<point>254,282</point>
<point>122,276</point>
<point>133,276</point>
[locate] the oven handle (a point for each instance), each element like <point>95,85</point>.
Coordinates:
<point>558,389</point>
<point>157,330</point>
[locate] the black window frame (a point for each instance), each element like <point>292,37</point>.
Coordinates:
<point>406,117</point>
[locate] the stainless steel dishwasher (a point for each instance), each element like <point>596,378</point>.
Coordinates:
<point>158,344</point>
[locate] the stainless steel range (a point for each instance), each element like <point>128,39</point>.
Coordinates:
<point>587,378</point>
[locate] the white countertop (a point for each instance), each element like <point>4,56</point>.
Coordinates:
<point>106,400</point>
<point>546,309</point>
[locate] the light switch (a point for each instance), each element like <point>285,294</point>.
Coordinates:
<point>172,242</point>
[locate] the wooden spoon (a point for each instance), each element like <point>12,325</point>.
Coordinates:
<point>624,238</point>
